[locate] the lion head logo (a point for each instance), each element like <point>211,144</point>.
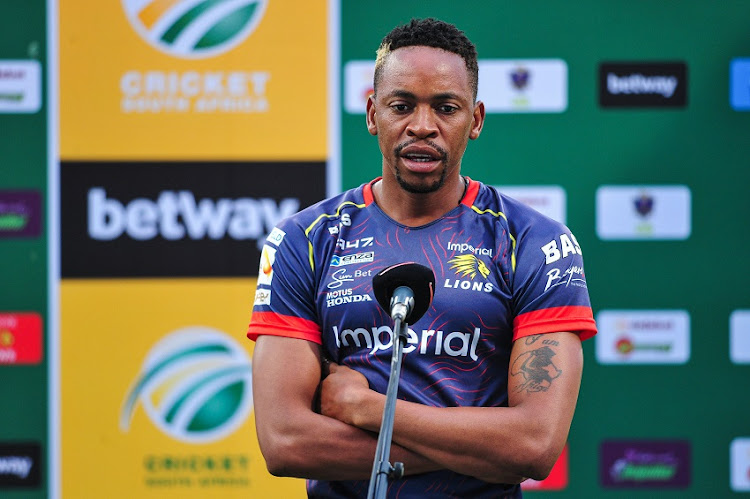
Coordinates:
<point>469,265</point>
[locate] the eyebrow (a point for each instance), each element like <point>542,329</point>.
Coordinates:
<point>409,95</point>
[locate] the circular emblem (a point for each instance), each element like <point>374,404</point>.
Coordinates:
<point>194,28</point>
<point>624,345</point>
<point>195,385</point>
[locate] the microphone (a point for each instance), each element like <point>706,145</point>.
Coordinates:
<point>405,290</point>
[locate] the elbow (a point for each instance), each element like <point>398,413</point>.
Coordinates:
<point>281,457</point>
<point>538,460</point>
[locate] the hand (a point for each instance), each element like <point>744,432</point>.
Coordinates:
<point>342,393</point>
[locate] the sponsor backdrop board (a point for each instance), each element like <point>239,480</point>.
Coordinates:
<point>193,80</point>
<point>157,385</point>
<point>24,317</point>
<point>189,128</point>
<point>629,122</point>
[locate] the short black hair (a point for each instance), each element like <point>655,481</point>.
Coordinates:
<point>430,32</point>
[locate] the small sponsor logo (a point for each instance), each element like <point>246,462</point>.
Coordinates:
<point>523,86</point>
<point>643,212</point>
<point>340,261</point>
<point>640,85</point>
<point>549,200</point>
<point>265,269</point>
<point>20,464</point>
<point>345,296</point>
<point>340,276</point>
<point>20,338</point>
<point>20,86</point>
<point>195,386</point>
<point>643,337</point>
<point>572,276</point>
<point>276,236</point>
<point>568,245</point>
<point>429,342</point>
<point>20,214</point>
<point>364,242</point>
<point>739,457</point>
<point>557,478</point>
<point>262,296</point>
<point>358,78</point>
<point>739,84</point>
<point>739,336</point>
<point>661,464</point>
<point>192,28</point>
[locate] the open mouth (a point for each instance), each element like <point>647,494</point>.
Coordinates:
<point>420,158</point>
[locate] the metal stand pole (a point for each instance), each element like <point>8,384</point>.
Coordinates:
<point>382,471</point>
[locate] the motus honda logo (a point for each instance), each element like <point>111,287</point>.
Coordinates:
<point>661,84</point>
<point>177,219</point>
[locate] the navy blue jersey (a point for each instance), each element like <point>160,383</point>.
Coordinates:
<point>502,271</point>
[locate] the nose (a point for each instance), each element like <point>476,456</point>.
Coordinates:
<point>422,124</point>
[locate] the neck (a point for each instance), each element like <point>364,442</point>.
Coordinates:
<point>414,210</point>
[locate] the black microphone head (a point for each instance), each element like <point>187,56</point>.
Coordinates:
<point>420,279</point>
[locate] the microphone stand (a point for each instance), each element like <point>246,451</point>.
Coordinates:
<point>382,471</point>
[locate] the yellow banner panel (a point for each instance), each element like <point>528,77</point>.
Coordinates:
<point>156,391</point>
<point>193,79</point>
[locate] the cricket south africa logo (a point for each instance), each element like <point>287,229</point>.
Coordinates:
<point>195,385</point>
<point>194,28</point>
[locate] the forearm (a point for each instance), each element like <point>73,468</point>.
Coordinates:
<point>467,440</point>
<point>295,439</point>
<point>496,444</point>
<point>321,448</point>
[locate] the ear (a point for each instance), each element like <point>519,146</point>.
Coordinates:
<point>478,122</point>
<point>372,127</point>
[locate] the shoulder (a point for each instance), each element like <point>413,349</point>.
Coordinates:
<point>518,216</point>
<point>327,213</point>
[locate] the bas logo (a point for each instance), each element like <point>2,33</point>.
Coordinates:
<point>552,252</point>
<point>195,386</point>
<point>194,28</point>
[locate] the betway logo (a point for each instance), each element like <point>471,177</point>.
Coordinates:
<point>19,466</point>
<point>429,342</point>
<point>640,84</point>
<point>177,215</point>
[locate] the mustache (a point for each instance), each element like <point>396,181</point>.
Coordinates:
<point>397,150</point>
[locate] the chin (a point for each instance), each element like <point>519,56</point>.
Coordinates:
<point>421,185</point>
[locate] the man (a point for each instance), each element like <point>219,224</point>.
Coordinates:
<point>490,373</point>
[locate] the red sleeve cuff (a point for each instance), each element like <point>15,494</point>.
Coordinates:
<point>579,320</point>
<point>270,323</point>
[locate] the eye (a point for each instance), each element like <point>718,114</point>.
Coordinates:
<point>447,108</point>
<point>400,107</point>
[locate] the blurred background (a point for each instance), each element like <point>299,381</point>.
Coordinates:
<point>149,146</point>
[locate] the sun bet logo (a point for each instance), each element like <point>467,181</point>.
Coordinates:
<point>194,28</point>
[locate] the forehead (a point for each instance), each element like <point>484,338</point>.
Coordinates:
<point>427,67</point>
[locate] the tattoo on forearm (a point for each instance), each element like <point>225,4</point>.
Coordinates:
<point>536,367</point>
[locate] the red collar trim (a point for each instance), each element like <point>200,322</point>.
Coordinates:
<point>367,192</point>
<point>471,193</point>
